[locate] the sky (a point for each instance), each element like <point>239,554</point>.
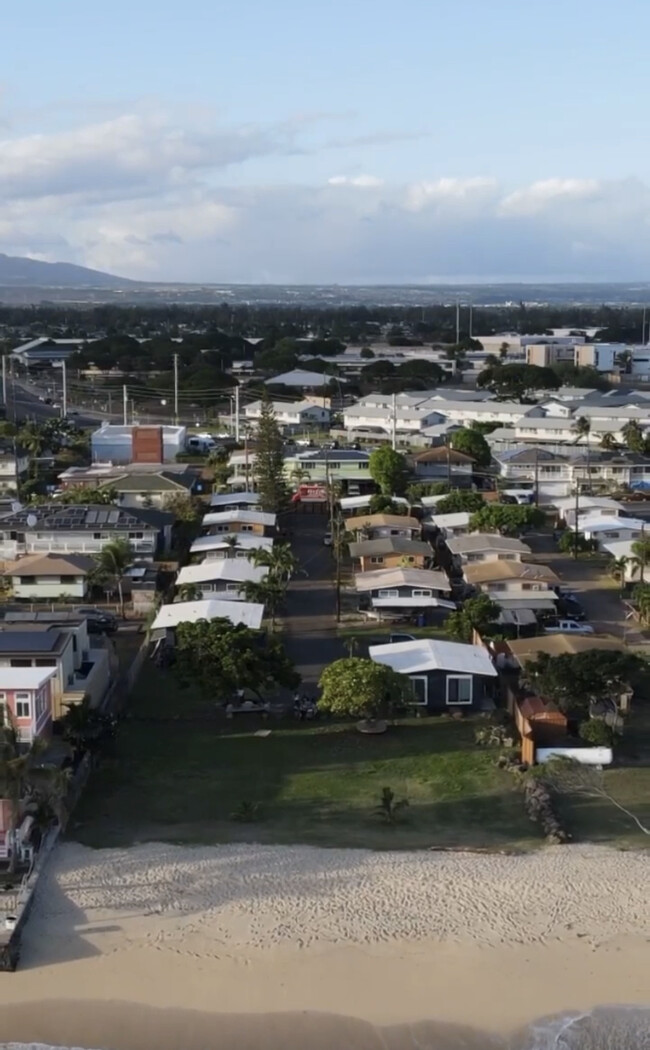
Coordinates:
<point>329,141</point>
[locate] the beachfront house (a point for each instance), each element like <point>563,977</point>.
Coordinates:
<point>392,552</point>
<point>444,675</point>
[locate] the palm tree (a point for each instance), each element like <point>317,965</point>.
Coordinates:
<point>268,592</point>
<point>16,767</point>
<point>608,442</point>
<point>633,436</point>
<point>280,561</point>
<point>189,592</point>
<point>112,562</point>
<point>641,556</point>
<point>618,568</point>
<point>582,429</point>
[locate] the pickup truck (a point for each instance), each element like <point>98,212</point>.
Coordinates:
<point>567,627</point>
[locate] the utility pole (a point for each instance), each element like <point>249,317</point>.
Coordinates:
<point>458,321</point>
<point>394,422</point>
<point>175,389</point>
<point>575,528</point>
<point>643,343</point>
<point>470,321</point>
<point>537,475</point>
<point>110,405</point>
<point>448,463</point>
<point>125,404</point>
<point>245,461</point>
<point>64,399</point>
<point>4,381</point>
<point>237,413</point>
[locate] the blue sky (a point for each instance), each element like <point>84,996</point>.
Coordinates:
<point>364,140</point>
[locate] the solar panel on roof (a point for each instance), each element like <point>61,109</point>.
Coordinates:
<point>91,517</point>
<point>114,517</point>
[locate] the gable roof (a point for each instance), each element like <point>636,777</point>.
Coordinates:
<point>443,454</point>
<point>169,616</point>
<point>525,650</point>
<point>51,565</point>
<point>237,570</point>
<point>379,578</point>
<point>486,541</point>
<point>486,571</point>
<point>375,521</point>
<point>433,654</point>
<point>229,499</point>
<point>245,541</point>
<point>246,517</point>
<point>390,545</point>
<point>80,518</point>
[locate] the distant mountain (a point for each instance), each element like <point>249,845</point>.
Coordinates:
<point>16,271</point>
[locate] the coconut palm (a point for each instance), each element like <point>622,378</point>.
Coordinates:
<point>268,592</point>
<point>608,442</point>
<point>582,429</point>
<point>641,556</point>
<point>280,561</point>
<point>633,436</point>
<point>617,569</point>
<point>111,563</point>
<point>189,592</point>
<point>17,764</point>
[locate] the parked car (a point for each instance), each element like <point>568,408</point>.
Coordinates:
<point>99,620</point>
<point>327,539</point>
<point>569,609</point>
<point>567,627</point>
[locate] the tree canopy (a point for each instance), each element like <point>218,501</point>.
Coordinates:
<point>472,443</point>
<point>389,470</point>
<point>574,682</point>
<point>509,519</point>
<point>269,462</point>
<point>476,614</point>
<point>460,500</point>
<point>355,687</point>
<point>222,657</point>
<point>517,381</point>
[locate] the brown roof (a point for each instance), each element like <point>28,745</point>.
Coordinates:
<point>486,571</point>
<point>440,453</point>
<point>526,650</point>
<point>51,565</point>
<point>486,541</point>
<point>530,706</point>
<point>393,521</point>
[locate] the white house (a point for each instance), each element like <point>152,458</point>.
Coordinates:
<point>14,464</point>
<point>45,577</point>
<point>221,577</point>
<point>229,545</point>
<point>296,414</point>
<point>239,521</point>
<point>79,529</point>
<point>170,616</point>
<point>602,529</point>
<point>624,549</point>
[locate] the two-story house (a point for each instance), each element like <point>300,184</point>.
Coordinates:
<point>292,416</point>
<point>26,701</point>
<point>221,578</point>
<point>403,589</point>
<point>444,675</point>
<point>81,529</point>
<point>256,522</point>
<point>348,467</point>
<point>378,526</point>
<point>483,546</point>
<point>46,577</point>
<point>391,552</point>
<point>228,545</point>
<point>14,464</point>
<point>443,463</point>
<point>136,484</point>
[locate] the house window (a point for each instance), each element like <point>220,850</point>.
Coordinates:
<point>421,592</point>
<point>222,528</point>
<point>68,579</point>
<point>97,535</point>
<point>19,661</point>
<point>136,535</point>
<point>42,661</point>
<point>459,688</point>
<point>420,687</point>
<point>388,594</point>
<point>27,580</point>
<point>376,560</point>
<point>247,528</point>
<point>232,588</point>
<point>23,706</point>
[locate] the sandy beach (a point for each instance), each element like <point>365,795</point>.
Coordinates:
<point>365,940</point>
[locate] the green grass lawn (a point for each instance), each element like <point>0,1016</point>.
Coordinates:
<point>181,770</point>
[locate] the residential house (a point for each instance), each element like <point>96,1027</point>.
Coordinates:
<point>348,467</point>
<point>351,505</point>
<point>228,545</point>
<point>82,529</point>
<point>220,501</point>
<point>483,546</point>
<point>592,506</point>
<point>14,464</point>
<point>241,466</point>
<point>405,413</point>
<point>619,549</point>
<point>138,484</point>
<point>26,701</point>
<point>378,526</point>
<point>292,416</point>
<point>443,674</point>
<point>46,577</point>
<point>444,464</point>
<point>499,576</point>
<point>521,598</point>
<point>221,578</point>
<point>449,524</point>
<point>391,552</point>
<point>556,433</point>
<point>235,521</point>
<point>526,650</point>
<point>604,530</point>
<point>170,616</point>
<point>46,351</point>
<point>403,588</point>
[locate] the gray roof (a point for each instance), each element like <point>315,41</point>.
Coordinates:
<point>389,545</point>
<point>334,455</point>
<point>29,641</point>
<point>83,517</point>
<point>485,541</point>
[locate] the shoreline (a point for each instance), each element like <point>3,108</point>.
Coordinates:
<point>270,939</point>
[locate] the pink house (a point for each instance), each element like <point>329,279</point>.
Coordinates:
<point>26,700</point>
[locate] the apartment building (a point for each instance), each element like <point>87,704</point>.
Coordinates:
<point>296,415</point>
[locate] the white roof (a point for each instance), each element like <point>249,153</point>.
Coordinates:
<point>358,502</point>
<point>248,613</point>
<point>451,521</point>
<point>431,654</point>
<point>246,517</point>
<point>619,548</point>
<point>237,570</point>
<point>600,524</point>
<point>245,541</point>
<point>226,499</point>
<point>516,598</point>
<point>370,581</point>
<point>301,377</point>
<point>588,501</point>
<point>24,677</point>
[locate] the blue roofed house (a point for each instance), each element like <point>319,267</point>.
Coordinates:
<point>445,675</point>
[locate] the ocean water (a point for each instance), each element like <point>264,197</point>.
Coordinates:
<point>605,1028</point>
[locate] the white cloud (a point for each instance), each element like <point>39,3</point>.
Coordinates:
<point>145,195</point>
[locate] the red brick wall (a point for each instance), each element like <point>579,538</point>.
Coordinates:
<point>147,445</point>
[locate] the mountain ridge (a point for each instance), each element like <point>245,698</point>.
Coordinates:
<point>18,271</point>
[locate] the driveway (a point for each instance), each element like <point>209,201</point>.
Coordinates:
<point>310,618</point>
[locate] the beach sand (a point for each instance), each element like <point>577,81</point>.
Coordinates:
<point>296,946</point>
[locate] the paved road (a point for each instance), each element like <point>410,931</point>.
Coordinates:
<point>310,618</point>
